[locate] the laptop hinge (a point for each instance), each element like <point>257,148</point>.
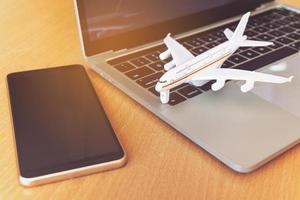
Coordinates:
<point>109,52</point>
<point>265,5</point>
<point>120,50</point>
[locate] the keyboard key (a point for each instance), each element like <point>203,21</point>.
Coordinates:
<point>218,34</point>
<point>250,33</point>
<point>227,64</point>
<point>265,37</point>
<point>241,49</point>
<point>195,42</point>
<point>248,26</point>
<point>284,40</point>
<point>267,59</point>
<point>283,22</point>
<point>153,91</point>
<point>297,15</point>
<point>149,80</point>
<point>296,45</point>
<point>139,62</point>
<point>175,98</point>
<point>209,38</point>
<point>158,66</point>
<point>275,45</point>
<point>199,38</point>
<point>139,73</point>
<point>292,19</point>
<point>294,36</point>
<point>296,25</point>
<point>237,59</point>
<point>199,50</point>
<point>249,54</point>
<point>153,56</point>
<point>271,25</point>
<point>262,49</point>
<point>211,45</point>
<point>287,29</point>
<point>222,40</point>
<point>253,22</point>
<point>276,33</point>
<point>189,91</point>
<point>273,15</point>
<point>260,29</point>
<point>124,67</point>
<point>264,19</point>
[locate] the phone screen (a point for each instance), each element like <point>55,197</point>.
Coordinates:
<point>59,123</point>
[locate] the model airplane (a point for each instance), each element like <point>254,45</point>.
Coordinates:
<point>186,68</point>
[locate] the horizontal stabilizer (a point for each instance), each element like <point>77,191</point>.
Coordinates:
<point>228,33</point>
<point>178,52</point>
<point>254,43</point>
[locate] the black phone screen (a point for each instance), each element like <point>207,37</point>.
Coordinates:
<point>59,123</point>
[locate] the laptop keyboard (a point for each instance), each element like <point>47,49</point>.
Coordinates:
<point>281,26</point>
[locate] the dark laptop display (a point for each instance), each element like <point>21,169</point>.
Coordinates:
<point>113,25</point>
<point>109,18</point>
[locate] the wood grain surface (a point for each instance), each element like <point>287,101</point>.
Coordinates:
<point>162,164</point>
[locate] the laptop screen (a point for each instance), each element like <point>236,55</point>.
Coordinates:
<point>118,24</point>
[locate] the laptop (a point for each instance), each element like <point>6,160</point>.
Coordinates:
<point>122,41</point>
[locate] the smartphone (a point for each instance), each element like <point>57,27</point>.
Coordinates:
<point>60,128</point>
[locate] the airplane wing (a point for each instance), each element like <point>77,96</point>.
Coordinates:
<point>255,43</point>
<point>221,75</point>
<point>179,53</point>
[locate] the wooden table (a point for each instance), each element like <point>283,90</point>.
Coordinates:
<point>162,164</point>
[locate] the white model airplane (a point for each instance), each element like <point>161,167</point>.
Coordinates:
<point>186,68</point>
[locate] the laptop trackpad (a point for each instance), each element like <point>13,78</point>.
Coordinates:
<point>242,130</point>
<point>286,96</point>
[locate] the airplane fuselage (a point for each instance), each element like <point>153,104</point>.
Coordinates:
<point>213,58</point>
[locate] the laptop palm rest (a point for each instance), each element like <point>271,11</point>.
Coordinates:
<point>243,130</point>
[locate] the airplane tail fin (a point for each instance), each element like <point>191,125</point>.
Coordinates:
<point>239,33</point>
<point>240,29</point>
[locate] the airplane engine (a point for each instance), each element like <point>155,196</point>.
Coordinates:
<point>164,55</point>
<point>247,86</point>
<point>218,85</point>
<point>164,96</point>
<point>169,65</point>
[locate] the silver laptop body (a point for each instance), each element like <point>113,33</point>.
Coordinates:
<point>244,131</point>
